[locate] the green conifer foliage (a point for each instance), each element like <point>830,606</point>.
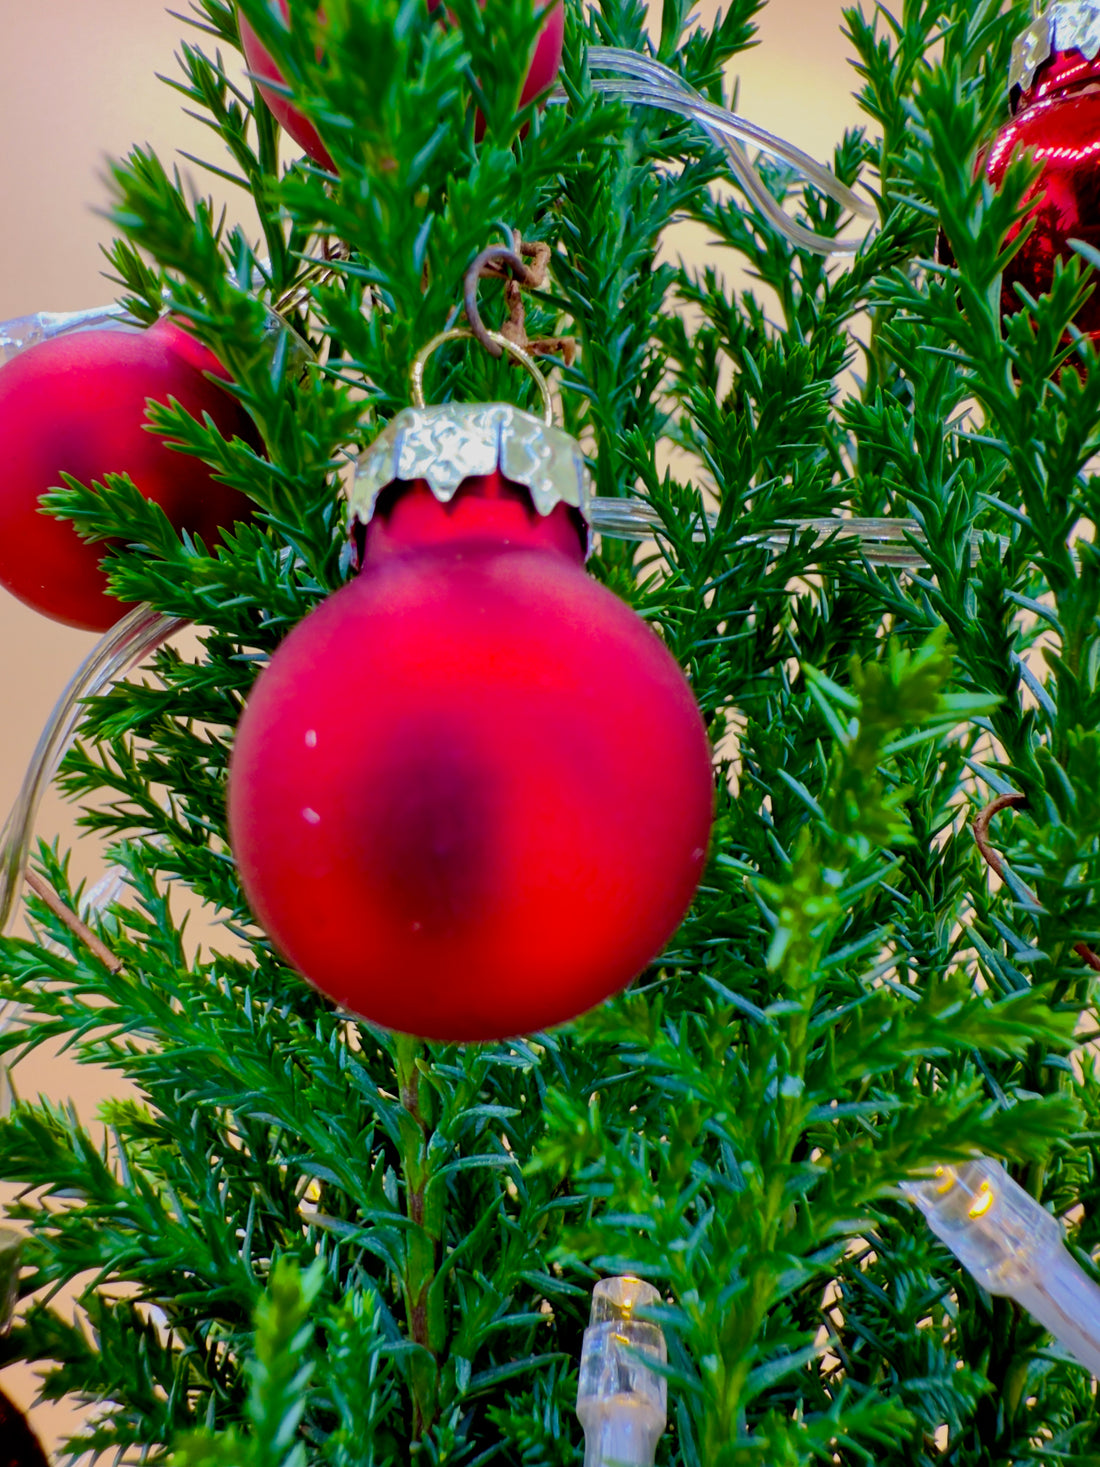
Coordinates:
<point>310,1244</point>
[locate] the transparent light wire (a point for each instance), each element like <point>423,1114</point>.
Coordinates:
<point>886,542</point>
<point>881,542</point>
<point>645,82</point>
<point>1013,1247</point>
<point>125,646</point>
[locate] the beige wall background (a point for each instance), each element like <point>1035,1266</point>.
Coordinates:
<point>78,85</point>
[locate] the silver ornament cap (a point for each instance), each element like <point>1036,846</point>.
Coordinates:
<point>448,443</point>
<point>1065,25</point>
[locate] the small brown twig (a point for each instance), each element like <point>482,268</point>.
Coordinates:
<point>982,823</point>
<point>296,296</point>
<point>78,928</point>
<point>996,864</point>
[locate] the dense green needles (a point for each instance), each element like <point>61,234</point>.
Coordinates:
<point>309,1243</point>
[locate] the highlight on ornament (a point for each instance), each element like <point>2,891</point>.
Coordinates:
<point>1054,92</point>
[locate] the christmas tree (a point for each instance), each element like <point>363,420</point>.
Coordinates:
<point>870,545</point>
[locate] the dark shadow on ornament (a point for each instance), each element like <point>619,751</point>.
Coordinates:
<point>995,861</point>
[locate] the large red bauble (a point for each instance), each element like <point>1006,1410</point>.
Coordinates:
<point>471,795</point>
<point>1057,121</point>
<point>76,404</point>
<point>540,78</point>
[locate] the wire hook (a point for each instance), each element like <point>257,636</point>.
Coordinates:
<point>494,255</point>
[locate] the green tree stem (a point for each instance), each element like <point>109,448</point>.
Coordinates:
<point>424,1236</point>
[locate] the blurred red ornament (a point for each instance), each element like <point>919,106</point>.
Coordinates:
<point>540,78</point>
<point>262,64</point>
<point>76,404</point>
<point>1056,120</point>
<point>19,1447</point>
<point>471,795</point>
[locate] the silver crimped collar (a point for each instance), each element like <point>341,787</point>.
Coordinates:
<point>452,441</point>
<point>1065,25</point>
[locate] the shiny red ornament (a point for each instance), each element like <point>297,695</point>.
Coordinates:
<point>76,404</point>
<point>471,795</point>
<point>540,78</point>
<point>1057,121</point>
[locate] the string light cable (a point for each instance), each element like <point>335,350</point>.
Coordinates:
<point>646,82</point>
<point>1014,1248</point>
<point>129,642</point>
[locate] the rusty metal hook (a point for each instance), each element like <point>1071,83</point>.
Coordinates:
<point>501,257</point>
<point>995,862</point>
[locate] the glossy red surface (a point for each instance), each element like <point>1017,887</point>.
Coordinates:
<point>77,404</point>
<point>1062,72</point>
<point>1058,122</point>
<point>543,73</point>
<point>546,62</point>
<point>471,795</point>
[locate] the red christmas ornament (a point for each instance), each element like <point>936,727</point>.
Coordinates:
<point>19,1447</point>
<point>541,76</point>
<point>1056,119</point>
<point>471,795</point>
<point>76,404</point>
<point>262,64</point>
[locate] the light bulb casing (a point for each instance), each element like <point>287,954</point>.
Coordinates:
<point>1013,1247</point>
<point>996,1230</point>
<point>622,1401</point>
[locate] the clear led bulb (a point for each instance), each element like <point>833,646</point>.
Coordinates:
<point>1015,1248</point>
<point>621,1401</point>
